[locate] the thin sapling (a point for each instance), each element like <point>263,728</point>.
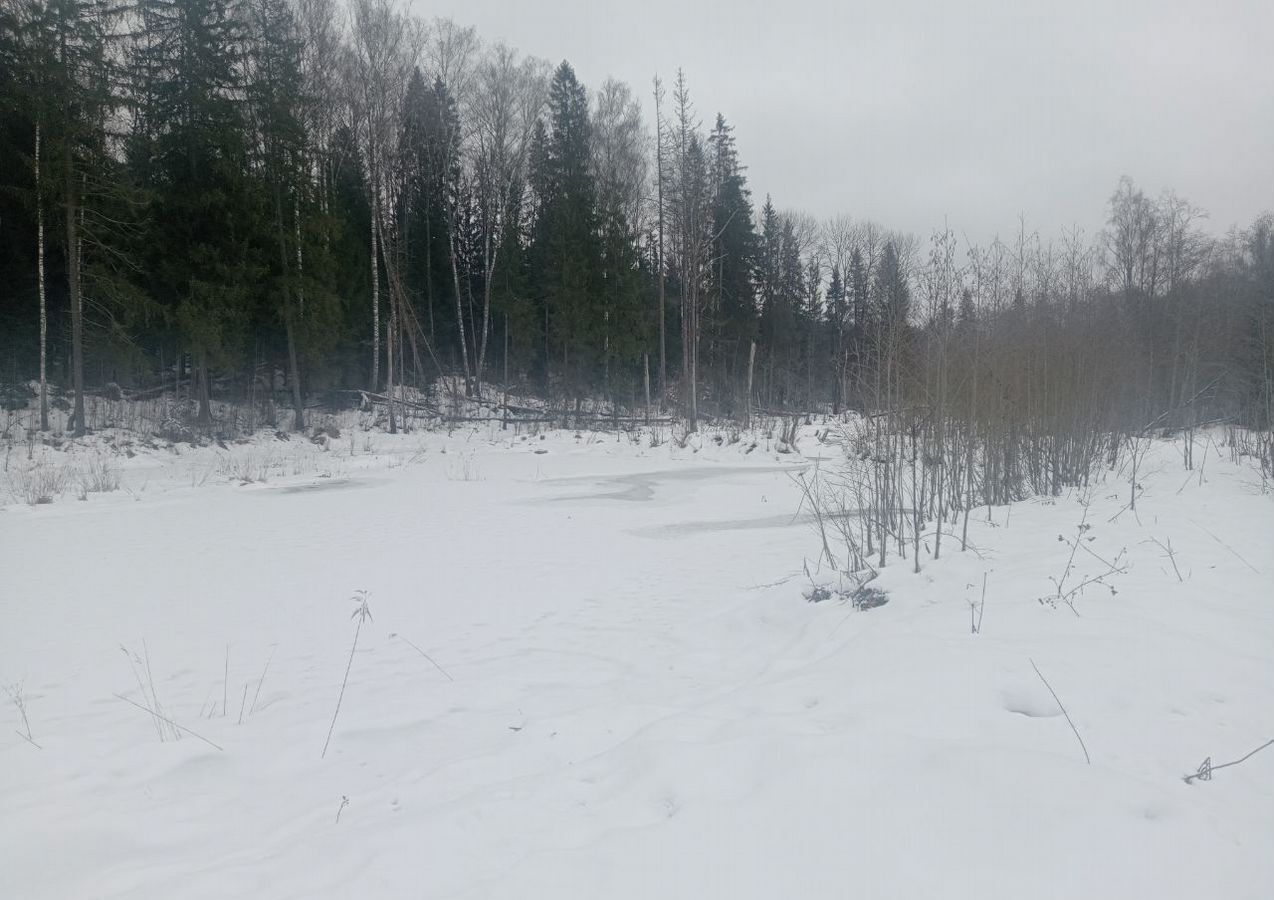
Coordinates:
<point>361,614</point>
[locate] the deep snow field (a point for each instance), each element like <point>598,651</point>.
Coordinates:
<point>632,697</point>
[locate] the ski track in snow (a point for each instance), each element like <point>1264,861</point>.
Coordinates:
<point>643,704</point>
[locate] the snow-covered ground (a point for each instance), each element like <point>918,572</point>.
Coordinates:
<point>632,697</point>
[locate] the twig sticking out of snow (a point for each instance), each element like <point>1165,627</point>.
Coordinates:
<point>170,722</point>
<point>1205,770</point>
<point>20,701</point>
<point>1087,758</point>
<point>1234,552</point>
<point>424,654</point>
<point>1117,566</point>
<point>975,612</point>
<point>152,705</point>
<point>1170,553</point>
<point>225,684</point>
<point>261,680</point>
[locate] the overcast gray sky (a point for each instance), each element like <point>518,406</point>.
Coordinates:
<point>909,112</point>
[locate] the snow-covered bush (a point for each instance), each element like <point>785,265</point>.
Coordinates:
<point>40,482</point>
<point>246,467</point>
<point>98,475</point>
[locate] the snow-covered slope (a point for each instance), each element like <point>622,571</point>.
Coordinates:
<point>634,698</point>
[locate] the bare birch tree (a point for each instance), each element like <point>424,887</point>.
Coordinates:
<point>386,44</point>
<point>451,57</point>
<point>508,100</point>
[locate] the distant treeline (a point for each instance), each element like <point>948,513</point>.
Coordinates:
<point>307,196</point>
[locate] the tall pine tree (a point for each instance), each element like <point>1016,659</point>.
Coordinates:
<point>732,325</point>
<point>205,239</point>
<point>566,234</point>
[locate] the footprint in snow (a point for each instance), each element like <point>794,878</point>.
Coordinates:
<point>1031,705</point>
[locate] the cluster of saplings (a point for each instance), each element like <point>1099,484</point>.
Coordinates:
<point>1032,370</point>
<point>262,200</point>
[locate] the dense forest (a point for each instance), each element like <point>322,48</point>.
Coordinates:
<point>301,200</point>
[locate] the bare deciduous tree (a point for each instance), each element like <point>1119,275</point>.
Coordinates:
<point>385,46</point>
<point>508,100</point>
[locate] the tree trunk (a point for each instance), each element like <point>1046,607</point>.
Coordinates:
<point>375,296</point>
<point>493,251</point>
<point>44,310</point>
<point>300,261</point>
<point>294,375</point>
<point>389,347</point>
<point>73,284</point>
<point>751,364</point>
<point>205,390</point>
<point>646,358</point>
<point>455,280</point>
<point>294,368</point>
<point>659,194</point>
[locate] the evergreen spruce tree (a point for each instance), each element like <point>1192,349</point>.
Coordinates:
<point>205,242</point>
<point>517,322</point>
<point>893,294</point>
<point>24,314</point>
<point>836,326</point>
<point>569,256</point>
<point>891,306</point>
<point>733,293</point>
<point>769,292</point>
<point>276,104</point>
<point>431,173</point>
<point>858,302</point>
<point>794,324</point>
<point>348,211</point>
